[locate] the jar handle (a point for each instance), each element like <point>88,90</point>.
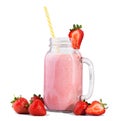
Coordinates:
<point>91,78</point>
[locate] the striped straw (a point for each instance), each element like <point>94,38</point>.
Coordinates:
<point>49,22</point>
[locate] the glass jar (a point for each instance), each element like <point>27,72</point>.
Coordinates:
<point>63,72</point>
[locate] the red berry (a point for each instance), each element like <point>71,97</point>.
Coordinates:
<point>76,36</point>
<point>80,108</point>
<point>37,108</point>
<point>20,105</point>
<point>34,97</point>
<point>96,108</point>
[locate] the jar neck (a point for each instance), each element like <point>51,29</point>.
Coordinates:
<point>61,45</point>
<point>60,42</point>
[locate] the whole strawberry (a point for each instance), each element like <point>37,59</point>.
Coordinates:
<point>37,108</point>
<point>76,35</point>
<point>20,105</point>
<point>80,108</point>
<point>96,108</point>
<point>34,97</point>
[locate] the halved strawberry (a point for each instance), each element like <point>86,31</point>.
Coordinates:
<point>76,36</point>
<point>96,108</point>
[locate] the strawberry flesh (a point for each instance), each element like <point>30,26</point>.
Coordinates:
<point>95,108</point>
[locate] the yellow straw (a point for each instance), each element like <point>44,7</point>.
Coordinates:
<point>49,22</point>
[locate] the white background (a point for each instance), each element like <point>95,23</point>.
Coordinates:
<point>24,40</point>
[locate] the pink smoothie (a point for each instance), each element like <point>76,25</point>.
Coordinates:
<point>63,81</point>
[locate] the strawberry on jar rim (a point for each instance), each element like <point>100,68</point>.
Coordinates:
<point>76,35</point>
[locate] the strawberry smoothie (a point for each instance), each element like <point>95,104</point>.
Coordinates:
<point>62,81</point>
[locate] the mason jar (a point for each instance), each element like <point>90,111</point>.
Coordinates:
<point>63,76</point>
